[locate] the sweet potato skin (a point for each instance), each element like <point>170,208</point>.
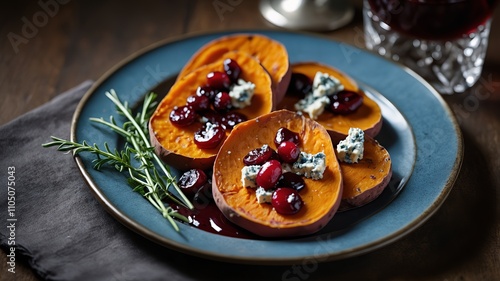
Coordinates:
<point>366,180</point>
<point>176,145</point>
<point>321,198</point>
<point>270,53</point>
<point>179,161</point>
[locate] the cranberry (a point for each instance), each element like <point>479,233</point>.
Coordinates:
<point>283,134</point>
<point>269,174</point>
<point>198,103</point>
<point>300,85</point>
<point>291,180</point>
<point>203,196</point>
<point>206,91</point>
<point>288,151</point>
<point>218,80</point>
<point>222,101</point>
<point>209,136</point>
<point>213,117</point>
<point>182,116</point>
<point>231,119</point>
<point>286,201</point>
<point>191,180</point>
<point>232,69</point>
<point>345,102</point>
<point>258,156</point>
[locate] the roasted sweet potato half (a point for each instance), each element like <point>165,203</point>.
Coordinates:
<point>175,145</point>
<point>238,203</point>
<point>364,181</point>
<point>270,53</point>
<point>368,117</point>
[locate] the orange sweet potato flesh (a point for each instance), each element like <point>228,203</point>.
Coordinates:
<point>239,204</point>
<point>364,181</point>
<point>271,54</point>
<point>175,145</point>
<point>368,117</point>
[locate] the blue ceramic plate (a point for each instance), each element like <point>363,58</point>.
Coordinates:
<point>419,132</point>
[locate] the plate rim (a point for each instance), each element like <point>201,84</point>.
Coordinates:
<point>163,241</point>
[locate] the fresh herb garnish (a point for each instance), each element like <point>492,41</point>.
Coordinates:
<point>148,175</point>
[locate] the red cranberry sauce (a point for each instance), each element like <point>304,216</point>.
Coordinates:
<point>209,218</point>
<point>211,104</point>
<point>206,215</point>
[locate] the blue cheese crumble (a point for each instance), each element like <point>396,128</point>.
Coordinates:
<point>241,93</point>
<point>324,85</point>
<point>311,166</point>
<point>312,106</point>
<point>248,175</point>
<point>351,149</point>
<point>263,196</point>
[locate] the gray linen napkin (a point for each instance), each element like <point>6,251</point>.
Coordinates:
<point>63,232</point>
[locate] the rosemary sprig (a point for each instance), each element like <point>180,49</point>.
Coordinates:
<point>137,157</point>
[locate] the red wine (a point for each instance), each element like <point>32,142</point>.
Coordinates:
<point>433,19</point>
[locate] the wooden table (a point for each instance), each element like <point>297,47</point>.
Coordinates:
<point>80,40</point>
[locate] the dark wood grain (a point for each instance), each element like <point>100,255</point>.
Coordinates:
<point>84,39</point>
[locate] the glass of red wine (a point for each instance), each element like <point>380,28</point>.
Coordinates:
<point>444,41</point>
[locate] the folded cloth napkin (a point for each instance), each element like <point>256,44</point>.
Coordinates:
<point>62,230</point>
